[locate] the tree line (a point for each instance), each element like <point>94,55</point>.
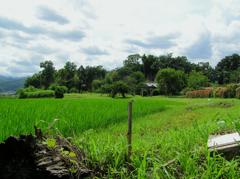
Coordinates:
<point>173,74</point>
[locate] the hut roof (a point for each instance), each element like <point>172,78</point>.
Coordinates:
<point>151,84</point>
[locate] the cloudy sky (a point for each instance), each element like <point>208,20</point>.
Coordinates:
<point>105,32</point>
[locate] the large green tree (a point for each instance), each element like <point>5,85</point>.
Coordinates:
<point>119,87</point>
<point>196,80</point>
<point>206,69</point>
<point>149,67</point>
<point>81,74</point>
<point>235,76</point>
<point>70,75</point>
<point>92,73</point>
<point>88,74</point>
<point>226,67</point>
<point>152,64</point>
<point>134,82</point>
<point>171,81</point>
<point>47,74</point>
<point>133,63</point>
<point>34,80</point>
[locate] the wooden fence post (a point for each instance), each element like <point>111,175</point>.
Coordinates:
<point>129,133</point>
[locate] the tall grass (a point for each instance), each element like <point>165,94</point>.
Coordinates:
<point>164,129</point>
<point>176,134</point>
<point>18,116</point>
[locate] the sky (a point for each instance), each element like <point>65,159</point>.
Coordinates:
<point>105,32</point>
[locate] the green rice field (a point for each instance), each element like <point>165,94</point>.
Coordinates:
<point>169,134</point>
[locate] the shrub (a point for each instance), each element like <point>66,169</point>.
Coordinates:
<point>21,94</point>
<point>37,94</point>
<point>155,92</point>
<point>205,93</point>
<point>231,90</point>
<point>31,92</point>
<point>238,93</point>
<point>226,92</point>
<point>221,92</point>
<point>59,92</point>
<point>73,90</point>
<point>97,84</point>
<point>106,88</point>
<point>185,90</point>
<point>119,87</point>
<point>28,89</point>
<point>54,86</point>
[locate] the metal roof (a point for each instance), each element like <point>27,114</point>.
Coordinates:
<point>151,84</point>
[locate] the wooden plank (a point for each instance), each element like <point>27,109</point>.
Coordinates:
<point>223,140</point>
<point>228,143</point>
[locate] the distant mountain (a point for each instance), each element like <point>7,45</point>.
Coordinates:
<point>10,84</point>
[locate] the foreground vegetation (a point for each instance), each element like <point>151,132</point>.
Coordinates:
<point>169,134</point>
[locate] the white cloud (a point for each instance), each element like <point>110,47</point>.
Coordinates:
<point>51,15</point>
<point>93,32</point>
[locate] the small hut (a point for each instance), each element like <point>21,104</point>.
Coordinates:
<point>148,88</point>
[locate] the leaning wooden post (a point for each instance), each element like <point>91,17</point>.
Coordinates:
<point>129,133</point>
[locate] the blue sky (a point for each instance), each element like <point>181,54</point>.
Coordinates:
<point>94,32</point>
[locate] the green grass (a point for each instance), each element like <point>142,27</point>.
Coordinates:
<point>179,133</point>
<point>75,114</point>
<point>163,129</point>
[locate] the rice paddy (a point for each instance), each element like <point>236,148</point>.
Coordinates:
<point>169,134</point>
